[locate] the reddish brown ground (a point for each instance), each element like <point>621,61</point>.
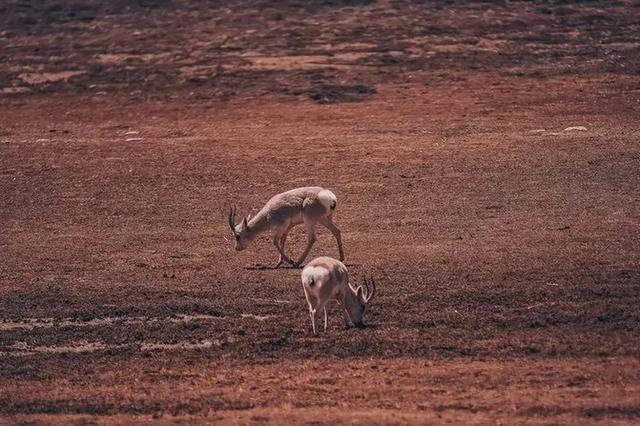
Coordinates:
<point>506,248</point>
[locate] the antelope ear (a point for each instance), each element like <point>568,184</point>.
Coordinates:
<point>244,223</point>
<point>359,293</point>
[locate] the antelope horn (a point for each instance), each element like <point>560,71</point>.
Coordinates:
<point>365,289</point>
<point>371,293</point>
<point>232,220</point>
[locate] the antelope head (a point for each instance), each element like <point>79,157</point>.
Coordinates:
<point>240,232</point>
<point>363,295</point>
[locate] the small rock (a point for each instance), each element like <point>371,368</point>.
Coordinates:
<point>577,128</point>
<point>133,139</point>
<point>132,132</point>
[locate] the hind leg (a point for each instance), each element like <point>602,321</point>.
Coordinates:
<point>313,305</point>
<point>328,223</point>
<point>325,318</point>
<point>312,313</point>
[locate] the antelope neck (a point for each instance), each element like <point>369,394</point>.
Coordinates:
<point>258,224</point>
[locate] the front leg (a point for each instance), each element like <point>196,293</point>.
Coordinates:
<point>283,240</point>
<point>347,320</point>
<point>311,239</point>
<point>283,257</point>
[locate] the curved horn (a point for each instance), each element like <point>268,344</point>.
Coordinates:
<point>365,289</point>
<point>358,289</point>
<point>371,293</point>
<point>232,220</point>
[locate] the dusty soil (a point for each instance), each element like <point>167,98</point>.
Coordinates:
<point>485,159</point>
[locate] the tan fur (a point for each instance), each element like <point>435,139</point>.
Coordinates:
<point>324,279</point>
<point>308,205</point>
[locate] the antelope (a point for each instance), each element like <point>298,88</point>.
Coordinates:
<point>325,278</point>
<point>309,205</point>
